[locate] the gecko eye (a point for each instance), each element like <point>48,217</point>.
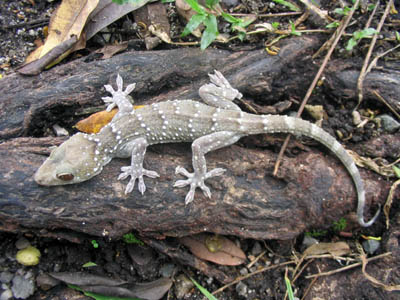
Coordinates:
<point>65,176</point>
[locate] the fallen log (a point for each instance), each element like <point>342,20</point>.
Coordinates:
<point>310,190</point>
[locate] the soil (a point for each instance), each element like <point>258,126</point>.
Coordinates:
<point>22,26</point>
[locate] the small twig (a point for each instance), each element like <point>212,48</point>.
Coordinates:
<point>31,23</point>
<point>286,14</point>
<point>375,60</point>
<point>364,71</point>
<point>340,32</point>
<point>372,15</point>
<point>296,276</point>
<point>309,288</point>
<point>252,274</point>
<point>376,93</point>
<point>256,259</point>
<point>389,288</point>
<point>348,267</point>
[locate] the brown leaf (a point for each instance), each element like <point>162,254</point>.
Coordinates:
<point>80,278</point>
<point>107,12</point>
<point>96,121</point>
<point>108,51</point>
<point>68,20</point>
<point>153,290</point>
<point>335,249</point>
<point>154,20</point>
<point>226,252</point>
<point>36,66</point>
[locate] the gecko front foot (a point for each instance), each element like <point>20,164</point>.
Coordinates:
<point>196,180</point>
<point>136,174</point>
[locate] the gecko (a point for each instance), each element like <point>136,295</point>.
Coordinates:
<point>216,123</point>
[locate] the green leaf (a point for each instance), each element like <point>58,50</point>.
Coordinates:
<point>210,33</point>
<point>130,238</point>
<point>340,225</point>
<point>275,25</point>
<point>195,6</point>
<point>396,171</point>
<point>333,25</point>
<point>211,3</point>
<point>293,29</point>
<point>95,244</point>
<point>98,296</point>
<point>193,23</point>
<point>241,35</point>
<point>287,4</point>
<point>350,44</point>
<point>229,18</point>
<point>369,32</point>
<point>397,36</point>
<point>203,290</point>
<point>289,288</point>
<point>342,11</point>
<point>89,264</point>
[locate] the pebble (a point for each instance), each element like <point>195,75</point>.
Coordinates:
<point>308,241</point>
<point>22,243</point>
<point>257,249</point>
<point>167,270</point>
<point>370,246</point>
<point>23,286</point>
<point>242,289</point>
<point>388,123</point>
<point>243,271</point>
<point>230,3</point>
<point>6,295</point>
<point>183,285</point>
<point>6,277</point>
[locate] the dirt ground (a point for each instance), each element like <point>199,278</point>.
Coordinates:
<point>21,26</point>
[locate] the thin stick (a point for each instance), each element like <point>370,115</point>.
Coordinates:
<point>364,72</point>
<point>252,274</point>
<point>309,288</point>
<point>348,267</point>
<point>256,259</point>
<point>316,78</point>
<point>386,103</point>
<point>294,13</point>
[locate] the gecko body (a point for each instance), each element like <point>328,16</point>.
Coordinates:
<point>217,123</point>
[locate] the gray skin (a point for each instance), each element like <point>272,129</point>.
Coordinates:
<point>216,124</point>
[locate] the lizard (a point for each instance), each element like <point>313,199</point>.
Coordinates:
<point>216,123</point>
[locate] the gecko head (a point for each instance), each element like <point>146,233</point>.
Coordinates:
<point>73,161</point>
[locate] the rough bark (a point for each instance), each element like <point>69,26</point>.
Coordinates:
<point>311,190</point>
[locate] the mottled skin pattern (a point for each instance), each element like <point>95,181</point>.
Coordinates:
<point>216,124</point>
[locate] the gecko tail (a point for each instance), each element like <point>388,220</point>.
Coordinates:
<point>360,217</point>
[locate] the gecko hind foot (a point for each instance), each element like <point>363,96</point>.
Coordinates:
<point>195,180</point>
<point>136,174</point>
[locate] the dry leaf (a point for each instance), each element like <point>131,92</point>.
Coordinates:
<point>68,20</point>
<point>389,201</point>
<point>36,66</point>
<point>96,121</point>
<point>366,162</point>
<point>108,51</point>
<point>389,288</point>
<point>107,12</point>
<point>335,249</point>
<point>226,253</point>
